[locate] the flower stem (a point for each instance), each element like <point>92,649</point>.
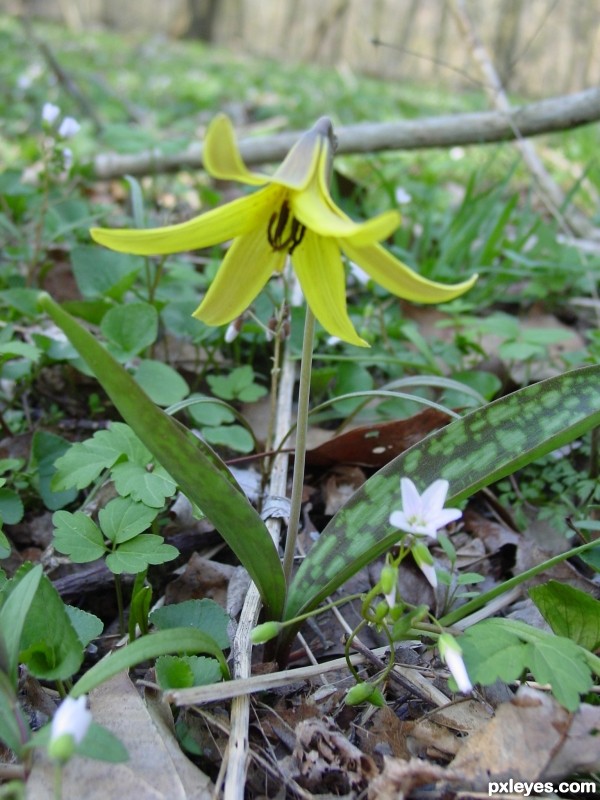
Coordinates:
<point>300,454</point>
<point>119,595</point>
<point>58,769</point>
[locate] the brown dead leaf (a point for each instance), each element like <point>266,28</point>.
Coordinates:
<point>377,444</point>
<point>399,778</point>
<point>201,578</point>
<point>156,770</point>
<point>326,760</point>
<point>532,738</point>
<point>340,485</point>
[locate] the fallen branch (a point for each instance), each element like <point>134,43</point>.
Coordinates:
<point>545,116</point>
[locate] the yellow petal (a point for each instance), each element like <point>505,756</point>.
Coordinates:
<point>315,209</point>
<point>247,266</point>
<point>319,268</point>
<point>311,150</point>
<point>399,279</point>
<point>219,225</point>
<point>221,155</point>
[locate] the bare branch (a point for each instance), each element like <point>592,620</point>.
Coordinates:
<point>545,116</point>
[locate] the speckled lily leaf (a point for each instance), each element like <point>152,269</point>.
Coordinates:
<point>199,472</point>
<point>470,453</point>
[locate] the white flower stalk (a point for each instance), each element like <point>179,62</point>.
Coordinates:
<point>69,727</point>
<point>424,514</point>
<point>50,113</point>
<point>68,128</point>
<point>451,653</point>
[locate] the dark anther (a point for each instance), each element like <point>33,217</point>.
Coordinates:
<point>278,224</point>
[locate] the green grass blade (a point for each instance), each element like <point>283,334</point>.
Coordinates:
<point>174,640</point>
<point>197,469</point>
<point>470,453</point>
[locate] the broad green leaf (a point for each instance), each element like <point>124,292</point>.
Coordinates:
<point>500,648</point>
<point>237,385</point>
<point>13,725</point>
<point>151,488</point>
<point>87,626</point>
<point>49,645</point>
<point>122,518</point>
<point>205,615</point>
<point>181,672</point>
<point>162,383</point>
<point>103,272</point>
<point>77,536</point>
<point>130,328</point>
<point>99,743</point>
<point>18,595</point>
<point>134,555</point>
<point>84,461</point>
<point>192,464</point>
<point>175,640</point>
<point>5,547</point>
<point>569,612</point>
<point>46,449</point>
<point>233,436</point>
<point>11,507</point>
<point>470,453</point>
<point>19,350</point>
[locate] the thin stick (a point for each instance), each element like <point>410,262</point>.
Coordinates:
<point>237,751</point>
<point>301,430</point>
<point>554,114</point>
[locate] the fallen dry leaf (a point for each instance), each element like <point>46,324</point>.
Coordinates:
<point>326,760</point>
<point>399,778</point>
<point>156,770</point>
<point>531,738</point>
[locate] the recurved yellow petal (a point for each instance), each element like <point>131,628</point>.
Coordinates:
<point>319,268</point>
<point>221,155</point>
<point>399,279</point>
<point>219,225</point>
<point>247,266</point>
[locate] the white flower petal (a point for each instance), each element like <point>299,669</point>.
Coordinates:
<point>456,665</point>
<point>411,499</point>
<point>434,497</point>
<point>72,717</point>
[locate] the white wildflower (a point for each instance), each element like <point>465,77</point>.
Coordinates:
<point>50,113</point>
<point>68,128</point>
<point>402,196</point>
<point>424,561</point>
<point>69,727</point>
<point>424,515</point>
<point>451,653</point>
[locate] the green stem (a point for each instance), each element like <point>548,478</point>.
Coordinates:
<point>58,781</point>
<point>478,602</point>
<point>300,455</point>
<point>119,594</point>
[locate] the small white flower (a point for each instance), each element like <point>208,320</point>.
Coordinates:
<point>50,113</point>
<point>456,153</point>
<point>73,718</point>
<point>424,515</point>
<point>402,196</point>
<point>451,653</point>
<point>232,331</point>
<point>68,128</point>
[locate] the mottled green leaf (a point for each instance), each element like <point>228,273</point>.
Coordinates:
<point>470,453</point>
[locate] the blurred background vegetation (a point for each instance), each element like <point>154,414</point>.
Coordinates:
<point>539,47</point>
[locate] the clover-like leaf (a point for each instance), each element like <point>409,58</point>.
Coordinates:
<point>123,518</point>
<point>136,554</point>
<point>77,536</point>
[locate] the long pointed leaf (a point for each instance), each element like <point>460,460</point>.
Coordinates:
<point>197,469</point>
<point>470,453</point>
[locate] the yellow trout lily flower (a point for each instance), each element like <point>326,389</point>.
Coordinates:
<point>292,214</point>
